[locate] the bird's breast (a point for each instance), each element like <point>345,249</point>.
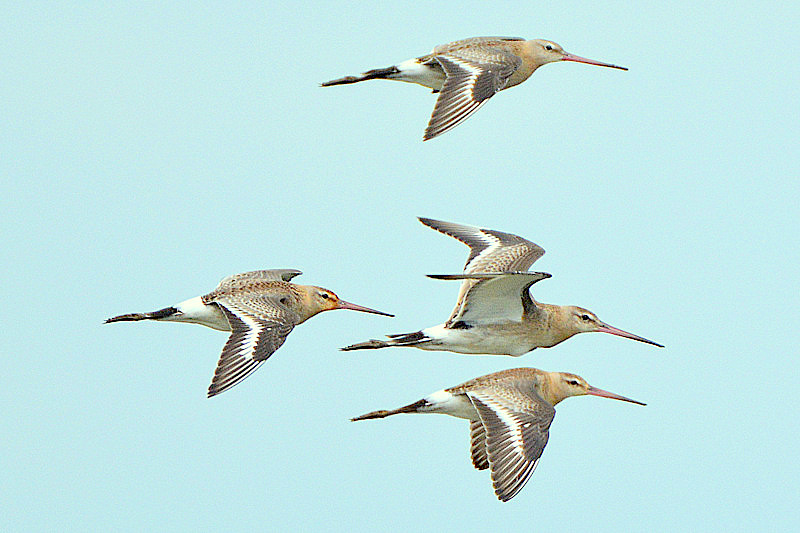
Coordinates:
<point>521,74</point>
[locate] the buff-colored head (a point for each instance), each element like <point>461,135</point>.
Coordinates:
<point>316,300</point>
<point>580,320</point>
<point>561,385</point>
<point>549,52</point>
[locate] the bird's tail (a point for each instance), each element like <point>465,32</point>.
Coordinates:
<point>401,339</point>
<point>155,315</point>
<point>374,74</point>
<point>410,408</point>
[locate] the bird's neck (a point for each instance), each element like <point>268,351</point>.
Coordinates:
<point>302,302</point>
<point>530,62</point>
<point>551,320</point>
<point>549,388</point>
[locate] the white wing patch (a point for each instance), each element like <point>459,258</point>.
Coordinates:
<point>515,437</point>
<point>493,245</point>
<point>474,74</point>
<point>497,298</point>
<point>491,252</point>
<point>251,342</point>
<point>457,100</point>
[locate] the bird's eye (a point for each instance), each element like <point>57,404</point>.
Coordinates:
<point>548,47</point>
<point>284,300</point>
<point>586,317</point>
<point>573,382</point>
<point>324,295</point>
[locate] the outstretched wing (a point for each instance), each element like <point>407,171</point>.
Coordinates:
<point>472,41</point>
<point>237,280</point>
<point>493,297</point>
<point>491,251</point>
<point>259,326</point>
<point>477,449</point>
<point>474,74</point>
<point>517,423</point>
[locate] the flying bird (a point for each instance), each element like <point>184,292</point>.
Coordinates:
<point>510,413</point>
<point>468,72</point>
<point>259,308</point>
<point>495,313</point>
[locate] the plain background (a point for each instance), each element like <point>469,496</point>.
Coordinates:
<point>147,151</point>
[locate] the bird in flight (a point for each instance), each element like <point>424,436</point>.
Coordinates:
<point>509,415</point>
<point>259,308</point>
<point>468,72</point>
<point>495,313</point>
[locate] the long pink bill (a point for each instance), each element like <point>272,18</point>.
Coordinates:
<point>605,328</point>
<point>356,307</point>
<point>579,59</point>
<point>594,391</point>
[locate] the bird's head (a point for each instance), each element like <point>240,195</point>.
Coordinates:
<point>564,385</point>
<point>320,299</point>
<point>550,52</point>
<point>580,320</point>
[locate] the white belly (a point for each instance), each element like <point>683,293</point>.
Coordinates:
<point>195,311</point>
<point>412,71</point>
<point>457,405</point>
<point>476,340</point>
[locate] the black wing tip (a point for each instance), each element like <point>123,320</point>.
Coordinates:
<point>430,222</point>
<point>485,275</point>
<point>214,390</point>
<point>290,273</point>
<point>441,225</point>
<point>445,276</point>
<point>503,496</point>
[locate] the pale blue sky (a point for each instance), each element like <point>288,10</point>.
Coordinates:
<point>148,151</point>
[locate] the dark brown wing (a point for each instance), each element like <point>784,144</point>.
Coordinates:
<point>493,298</point>
<point>238,280</point>
<point>490,251</point>
<point>474,74</point>
<point>517,423</point>
<point>259,326</point>
<point>472,41</point>
<point>477,438</point>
